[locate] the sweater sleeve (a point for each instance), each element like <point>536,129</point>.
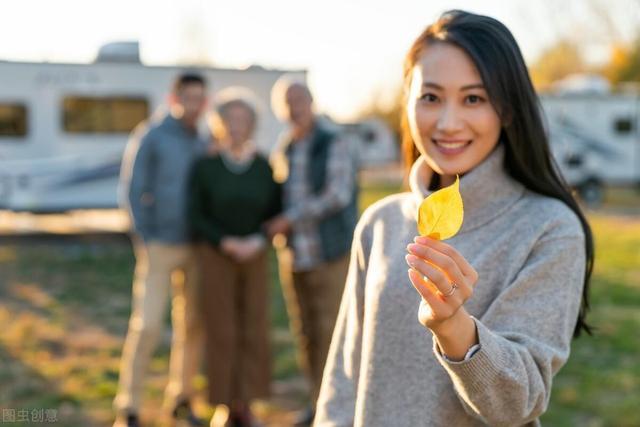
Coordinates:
<point>137,182</point>
<point>201,223</point>
<point>524,337</point>
<point>337,400</point>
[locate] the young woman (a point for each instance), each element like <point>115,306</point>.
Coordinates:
<point>232,194</point>
<point>499,302</point>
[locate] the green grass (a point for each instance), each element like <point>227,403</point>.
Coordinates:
<point>67,306</point>
<point>600,385</point>
<point>371,193</point>
<point>64,307</point>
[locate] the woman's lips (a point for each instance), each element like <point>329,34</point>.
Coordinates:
<point>451,147</point>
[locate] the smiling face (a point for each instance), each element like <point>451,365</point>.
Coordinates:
<point>452,122</point>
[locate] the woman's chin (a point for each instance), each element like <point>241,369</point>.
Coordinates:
<point>446,166</point>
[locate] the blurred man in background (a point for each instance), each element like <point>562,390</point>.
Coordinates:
<point>320,213</point>
<point>154,178</point>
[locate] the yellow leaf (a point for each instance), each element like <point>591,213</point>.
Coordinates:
<point>440,215</point>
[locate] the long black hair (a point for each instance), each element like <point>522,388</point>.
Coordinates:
<point>528,158</point>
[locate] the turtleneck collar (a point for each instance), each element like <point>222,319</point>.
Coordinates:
<point>487,190</point>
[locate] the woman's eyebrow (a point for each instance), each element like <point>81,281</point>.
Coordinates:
<point>473,86</point>
<point>433,85</point>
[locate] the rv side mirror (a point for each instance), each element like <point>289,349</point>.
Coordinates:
<point>574,160</point>
<point>623,125</point>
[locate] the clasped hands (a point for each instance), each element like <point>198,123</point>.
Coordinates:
<point>242,249</point>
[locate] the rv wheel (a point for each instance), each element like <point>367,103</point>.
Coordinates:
<point>592,193</point>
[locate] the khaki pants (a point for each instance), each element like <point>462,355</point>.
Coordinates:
<point>236,315</point>
<point>159,269</point>
<point>313,299</point>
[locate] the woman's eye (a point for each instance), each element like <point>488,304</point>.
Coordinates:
<point>474,99</point>
<point>429,97</point>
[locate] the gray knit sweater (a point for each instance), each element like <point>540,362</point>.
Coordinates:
<point>384,368</point>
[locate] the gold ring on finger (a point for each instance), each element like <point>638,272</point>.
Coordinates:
<point>454,286</point>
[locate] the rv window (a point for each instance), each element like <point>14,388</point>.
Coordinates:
<point>13,120</point>
<point>83,114</point>
<point>624,125</point>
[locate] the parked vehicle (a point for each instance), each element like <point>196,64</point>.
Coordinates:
<point>595,138</point>
<point>63,127</point>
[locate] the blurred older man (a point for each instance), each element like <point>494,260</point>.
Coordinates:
<point>320,213</point>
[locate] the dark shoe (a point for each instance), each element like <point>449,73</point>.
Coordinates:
<point>305,417</point>
<point>129,420</point>
<point>133,420</point>
<point>183,412</point>
<point>244,418</point>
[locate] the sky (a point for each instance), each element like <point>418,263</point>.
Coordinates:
<point>352,49</point>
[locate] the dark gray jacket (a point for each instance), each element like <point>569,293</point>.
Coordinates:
<point>335,218</point>
<point>153,179</point>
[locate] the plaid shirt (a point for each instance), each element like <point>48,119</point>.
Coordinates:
<point>304,208</point>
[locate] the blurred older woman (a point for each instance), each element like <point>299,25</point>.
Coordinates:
<point>232,194</point>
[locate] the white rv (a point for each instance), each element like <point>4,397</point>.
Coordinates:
<point>63,127</point>
<point>595,137</point>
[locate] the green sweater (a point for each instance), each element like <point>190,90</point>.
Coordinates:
<point>223,203</point>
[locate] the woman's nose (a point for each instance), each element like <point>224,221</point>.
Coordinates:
<point>449,119</point>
